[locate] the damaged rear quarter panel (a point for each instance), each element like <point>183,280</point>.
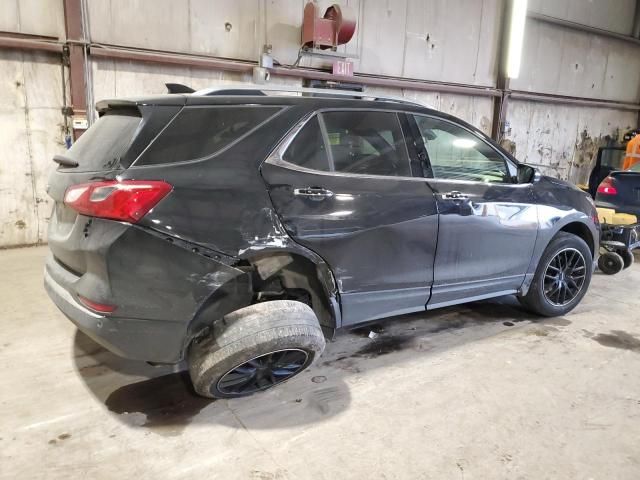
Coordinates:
<point>152,277</point>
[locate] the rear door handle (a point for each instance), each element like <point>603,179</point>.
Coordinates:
<point>313,192</point>
<point>455,195</point>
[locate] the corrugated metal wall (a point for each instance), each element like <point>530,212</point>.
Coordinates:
<point>436,40</point>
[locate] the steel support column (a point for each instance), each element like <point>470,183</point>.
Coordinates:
<point>502,82</point>
<point>76,55</point>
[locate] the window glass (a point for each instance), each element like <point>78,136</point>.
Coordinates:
<point>102,146</point>
<point>199,132</point>
<point>307,149</point>
<point>635,167</point>
<point>457,154</point>
<point>612,157</point>
<point>366,142</point>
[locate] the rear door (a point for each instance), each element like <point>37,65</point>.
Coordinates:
<point>487,223</point>
<point>343,184</point>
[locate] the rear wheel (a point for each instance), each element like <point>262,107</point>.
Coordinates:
<point>610,263</point>
<point>255,348</point>
<point>562,277</point>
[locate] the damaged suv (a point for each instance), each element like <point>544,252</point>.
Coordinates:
<point>237,229</point>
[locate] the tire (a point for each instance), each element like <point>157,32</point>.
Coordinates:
<point>627,257</point>
<point>255,338</point>
<point>610,263</point>
<point>536,299</point>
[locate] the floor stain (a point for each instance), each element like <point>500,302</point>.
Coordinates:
<point>62,436</point>
<point>619,339</point>
<point>383,346</point>
<point>168,402</point>
<point>541,331</point>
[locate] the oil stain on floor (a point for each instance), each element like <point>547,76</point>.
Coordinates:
<point>168,402</point>
<point>618,339</point>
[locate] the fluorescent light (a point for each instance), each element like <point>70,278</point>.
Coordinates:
<point>516,37</point>
<point>463,143</point>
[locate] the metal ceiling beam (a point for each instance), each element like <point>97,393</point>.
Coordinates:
<point>636,21</point>
<point>582,27</point>
<point>13,42</point>
<point>502,81</point>
<point>77,60</point>
<point>198,61</point>
<point>165,58</point>
<point>584,102</point>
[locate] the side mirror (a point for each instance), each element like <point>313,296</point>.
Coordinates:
<point>528,174</point>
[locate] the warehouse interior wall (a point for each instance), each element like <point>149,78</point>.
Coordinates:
<point>432,42</point>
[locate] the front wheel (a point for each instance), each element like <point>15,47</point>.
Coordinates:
<point>562,277</point>
<point>255,348</point>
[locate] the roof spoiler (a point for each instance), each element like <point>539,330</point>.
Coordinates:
<point>178,88</point>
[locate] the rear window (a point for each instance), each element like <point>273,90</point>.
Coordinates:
<point>101,146</point>
<point>199,132</point>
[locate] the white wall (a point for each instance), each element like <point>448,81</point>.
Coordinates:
<point>31,126</point>
<point>437,40</point>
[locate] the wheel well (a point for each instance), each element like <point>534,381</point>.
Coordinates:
<point>582,231</point>
<point>285,275</point>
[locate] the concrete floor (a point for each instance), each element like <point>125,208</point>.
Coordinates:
<point>478,391</point>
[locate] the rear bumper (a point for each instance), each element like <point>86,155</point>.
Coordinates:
<point>149,340</point>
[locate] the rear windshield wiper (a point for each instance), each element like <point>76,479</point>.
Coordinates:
<point>64,161</point>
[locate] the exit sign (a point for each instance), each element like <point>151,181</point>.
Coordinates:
<point>343,67</point>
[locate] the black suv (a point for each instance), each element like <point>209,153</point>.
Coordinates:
<point>238,229</point>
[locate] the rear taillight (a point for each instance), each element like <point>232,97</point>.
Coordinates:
<point>607,188</point>
<point>127,201</point>
<point>95,306</point>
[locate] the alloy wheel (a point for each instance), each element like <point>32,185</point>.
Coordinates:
<point>263,372</point>
<point>564,277</point>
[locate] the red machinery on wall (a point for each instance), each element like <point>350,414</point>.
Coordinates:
<point>336,27</point>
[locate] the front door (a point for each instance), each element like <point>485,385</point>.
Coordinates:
<point>345,188</point>
<point>487,223</point>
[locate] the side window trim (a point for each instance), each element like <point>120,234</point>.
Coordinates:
<point>421,149</point>
<point>419,138</point>
<point>325,140</point>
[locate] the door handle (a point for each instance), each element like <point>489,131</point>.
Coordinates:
<point>313,192</point>
<point>455,195</point>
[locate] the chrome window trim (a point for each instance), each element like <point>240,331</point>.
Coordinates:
<point>276,156</point>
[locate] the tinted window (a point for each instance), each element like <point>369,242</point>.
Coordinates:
<point>366,143</point>
<point>199,132</point>
<point>359,142</point>
<point>612,158</point>
<point>102,146</point>
<point>457,154</point>
<point>307,149</point>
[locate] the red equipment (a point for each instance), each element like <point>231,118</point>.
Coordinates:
<point>335,28</point>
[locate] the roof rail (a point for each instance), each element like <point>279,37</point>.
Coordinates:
<point>253,89</point>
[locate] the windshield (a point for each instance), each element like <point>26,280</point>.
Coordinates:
<point>635,168</point>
